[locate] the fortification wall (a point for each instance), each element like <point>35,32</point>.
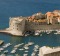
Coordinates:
<point>17,26</point>
<point>37,26</point>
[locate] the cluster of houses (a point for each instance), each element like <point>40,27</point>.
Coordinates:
<point>48,18</point>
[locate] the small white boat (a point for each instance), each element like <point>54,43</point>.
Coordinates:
<point>6,45</point>
<point>16,46</point>
<point>27,34</point>
<point>35,50</point>
<point>33,54</point>
<point>2,55</point>
<point>26,51</point>
<point>21,43</point>
<point>48,32</point>
<point>1,49</point>
<point>17,55</point>
<point>25,54</point>
<point>30,43</point>
<point>13,51</point>
<point>21,49</point>
<point>36,46</point>
<point>40,34</point>
<point>36,33</point>
<point>6,51</point>
<point>38,54</point>
<point>26,47</point>
<point>56,33</point>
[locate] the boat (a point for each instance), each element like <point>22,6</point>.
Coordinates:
<point>18,45</point>
<point>36,46</point>
<point>36,50</point>
<point>21,49</point>
<point>48,32</point>
<point>15,48</point>
<point>17,55</point>
<point>30,43</point>
<point>38,54</point>
<point>26,51</point>
<point>6,45</point>
<point>40,34</point>
<point>33,54</point>
<point>25,54</point>
<point>1,49</point>
<point>2,55</point>
<point>36,33</point>
<point>6,51</point>
<point>13,51</point>
<point>27,35</point>
<point>56,33</point>
<point>26,47</point>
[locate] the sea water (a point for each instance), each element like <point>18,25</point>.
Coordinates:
<point>14,8</point>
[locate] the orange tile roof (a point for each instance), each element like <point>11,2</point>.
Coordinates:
<point>49,13</point>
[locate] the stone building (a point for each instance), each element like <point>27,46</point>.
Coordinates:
<point>49,51</point>
<point>52,18</point>
<point>17,25</point>
<point>56,12</point>
<point>49,17</point>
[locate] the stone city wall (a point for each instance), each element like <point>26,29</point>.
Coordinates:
<point>37,26</point>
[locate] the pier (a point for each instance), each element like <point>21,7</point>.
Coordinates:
<point>11,32</point>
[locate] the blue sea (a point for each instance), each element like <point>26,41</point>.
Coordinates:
<point>14,8</point>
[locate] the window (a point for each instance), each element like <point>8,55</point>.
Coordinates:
<point>13,24</point>
<point>17,28</point>
<point>20,24</point>
<point>17,25</point>
<point>13,28</point>
<point>10,23</point>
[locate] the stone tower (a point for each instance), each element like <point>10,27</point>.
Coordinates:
<point>17,25</point>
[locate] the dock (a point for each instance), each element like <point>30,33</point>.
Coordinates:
<point>11,32</point>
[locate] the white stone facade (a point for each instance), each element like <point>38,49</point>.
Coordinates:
<point>48,51</point>
<point>17,25</point>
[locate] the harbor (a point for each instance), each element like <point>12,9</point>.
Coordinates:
<point>21,47</point>
<point>45,30</point>
<point>35,33</point>
<point>28,45</point>
<point>36,23</point>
